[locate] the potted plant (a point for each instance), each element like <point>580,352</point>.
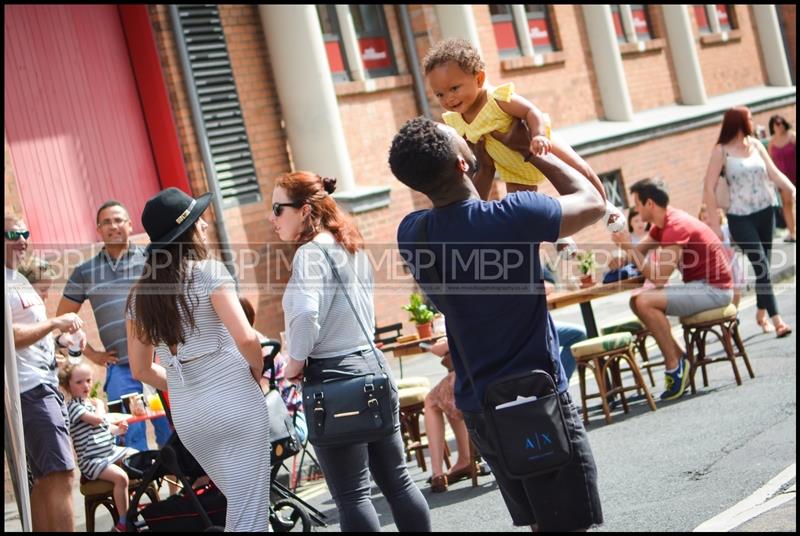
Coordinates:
<point>421,315</point>
<point>586,264</point>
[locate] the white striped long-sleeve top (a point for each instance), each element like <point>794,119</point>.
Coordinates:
<point>319,321</point>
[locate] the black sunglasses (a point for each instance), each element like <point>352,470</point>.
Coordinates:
<point>277,208</point>
<point>14,235</point>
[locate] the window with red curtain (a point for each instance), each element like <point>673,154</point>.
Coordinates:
<point>725,20</point>
<point>616,17</point>
<point>332,37</point>
<point>701,18</point>
<point>374,41</point>
<point>641,22</point>
<point>540,27</point>
<point>505,35</point>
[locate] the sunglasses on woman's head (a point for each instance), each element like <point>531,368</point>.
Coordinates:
<point>277,208</point>
<point>14,235</point>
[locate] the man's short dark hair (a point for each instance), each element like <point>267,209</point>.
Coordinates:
<point>422,155</point>
<point>654,189</point>
<point>108,204</point>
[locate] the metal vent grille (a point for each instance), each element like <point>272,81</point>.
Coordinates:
<point>204,40</point>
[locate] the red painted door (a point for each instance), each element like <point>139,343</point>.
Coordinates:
<point>73,119</point>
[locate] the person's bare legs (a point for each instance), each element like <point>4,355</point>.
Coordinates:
<point>117,476</point>
<point>51,503</point>
<point>649,306</point>
<point>434,429</point>
<point>788,213</point>
<point>462,444</point>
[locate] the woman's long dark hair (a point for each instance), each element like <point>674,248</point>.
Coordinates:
<point>734,121</point>
<point>314,191</point>
<point>156,300</point>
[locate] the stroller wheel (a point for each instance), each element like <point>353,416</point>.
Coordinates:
<point>287,515</point>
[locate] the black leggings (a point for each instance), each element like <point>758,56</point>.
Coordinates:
<point>753,234</point>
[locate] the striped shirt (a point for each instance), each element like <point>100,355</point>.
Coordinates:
<point>93,443</point>
<point>106,283</point>
<point>319,321</point>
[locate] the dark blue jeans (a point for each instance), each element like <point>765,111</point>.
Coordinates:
<point>753,234</point>
<point>347,468</point>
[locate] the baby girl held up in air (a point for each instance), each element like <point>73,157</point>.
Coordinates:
<point>457,77</point>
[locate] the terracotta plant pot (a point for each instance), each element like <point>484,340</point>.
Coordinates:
<point>587,280</point>
<point>425,330</point>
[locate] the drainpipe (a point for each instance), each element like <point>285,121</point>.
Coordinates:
<point>413,60</point>
<point>202,140</point>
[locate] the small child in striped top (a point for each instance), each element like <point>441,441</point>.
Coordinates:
<point>93,437</point>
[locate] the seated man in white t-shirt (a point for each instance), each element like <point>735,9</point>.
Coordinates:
<point>44,415</point>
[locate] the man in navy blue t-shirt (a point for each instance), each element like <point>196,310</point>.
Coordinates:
<point>487,256</point>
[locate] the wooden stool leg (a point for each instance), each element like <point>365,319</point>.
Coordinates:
<point>600,378</point>
<point>582,379</point>
<point>727,343</point>
<point>687,339</point>
<point>89,508</point>
<point>740,346</point>
<point>446,454</point>
<point>473,457</point>
<point>637,376</point>
<point>613,364</point>
<point>641,344</point>
<point>701,351</point>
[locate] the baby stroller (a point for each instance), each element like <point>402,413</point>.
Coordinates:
<point>203,508</point>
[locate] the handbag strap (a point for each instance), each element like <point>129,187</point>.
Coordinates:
<point>346,295</point>
<point>437,280</point>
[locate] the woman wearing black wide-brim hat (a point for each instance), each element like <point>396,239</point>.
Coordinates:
<point>185,309</point>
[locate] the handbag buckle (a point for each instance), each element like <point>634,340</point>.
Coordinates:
<point>368,388</point>
<point>319,395</point>
<point>372,402</point>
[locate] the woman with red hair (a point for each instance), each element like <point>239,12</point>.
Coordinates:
<point>325,340</point>
<point>743,162</point>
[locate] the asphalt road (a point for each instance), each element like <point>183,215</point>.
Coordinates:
<point>669,470</point>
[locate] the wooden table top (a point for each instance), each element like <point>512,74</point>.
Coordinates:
<point>560,299</point>
<point>400,349</point>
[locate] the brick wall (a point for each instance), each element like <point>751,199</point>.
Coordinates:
<point>650,74</point>
<point>247,225</point>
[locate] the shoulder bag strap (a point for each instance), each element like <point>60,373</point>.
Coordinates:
<point>347,296</point>
<point>437,280</point>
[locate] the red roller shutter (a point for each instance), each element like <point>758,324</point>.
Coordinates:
<point>73,119</point>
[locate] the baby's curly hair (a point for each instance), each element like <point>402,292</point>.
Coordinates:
<point>460,51</point>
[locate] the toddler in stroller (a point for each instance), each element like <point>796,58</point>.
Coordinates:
<point>203,507</point>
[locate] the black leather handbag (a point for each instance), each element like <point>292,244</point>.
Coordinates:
<point>349,408</point>
<point>526,425</point>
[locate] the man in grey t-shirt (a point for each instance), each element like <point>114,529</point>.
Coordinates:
<point>105,280</point>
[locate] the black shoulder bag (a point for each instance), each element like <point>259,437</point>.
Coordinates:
<point>353,409</point>
<point>526,425</point>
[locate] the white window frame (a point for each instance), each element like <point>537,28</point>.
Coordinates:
<point>519,17</point>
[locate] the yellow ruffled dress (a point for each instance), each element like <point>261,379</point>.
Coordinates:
<point>510,165</point>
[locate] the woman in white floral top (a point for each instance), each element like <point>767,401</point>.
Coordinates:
<point>744,163</point>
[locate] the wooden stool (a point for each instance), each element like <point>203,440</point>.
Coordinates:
<point>640,333</point>
<point>724,324</point>
<point>101,493</point>
<point>412,406</point>
<point>601,355</point>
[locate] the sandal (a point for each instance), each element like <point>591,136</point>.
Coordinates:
<point>766,327</point>
<point>459,475</point>
<point>439,483</point>
<point>783,331</point>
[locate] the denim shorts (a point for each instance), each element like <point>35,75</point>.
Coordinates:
<point>565,500</point>
<point>46,428</point>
